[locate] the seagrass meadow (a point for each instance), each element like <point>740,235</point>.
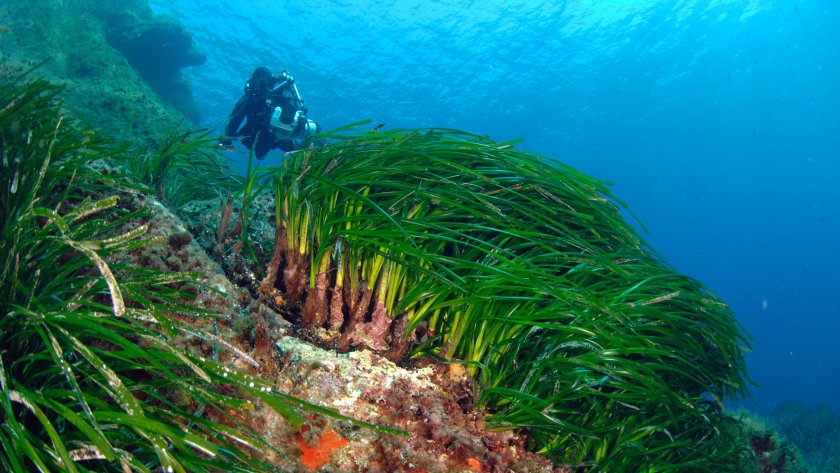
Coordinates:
<point>92,374</point>
<point>434,246</point>
<point>447,244</point>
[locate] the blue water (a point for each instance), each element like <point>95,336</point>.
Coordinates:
<point>718,121</point>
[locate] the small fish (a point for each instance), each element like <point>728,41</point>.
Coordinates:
<point>377,128</point>
<point>796,7</point>
<point>729,77</point>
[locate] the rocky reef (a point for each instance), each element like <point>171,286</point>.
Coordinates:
<point>102,52</point>
<point>815,430</point>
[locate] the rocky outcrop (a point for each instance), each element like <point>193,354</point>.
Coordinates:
<point>157,47</point>
<point>121,63</point>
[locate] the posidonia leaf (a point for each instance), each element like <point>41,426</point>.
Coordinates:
<point>116,388</point>
<point>94,434</point>
<point>113,287</point>
<point>26,450</point>
<point>84,210</point>
<point>66,370</point>
<point>260,389</point>
<point>181,438</point>
<point>120,240</point>
<point>59,449</point>
<point>17,444</point>
<point>181,355</point>
<point>8,460</point>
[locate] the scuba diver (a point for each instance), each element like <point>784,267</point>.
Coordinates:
<point>274,115</point>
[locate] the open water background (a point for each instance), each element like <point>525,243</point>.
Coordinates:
<point>717,120</point>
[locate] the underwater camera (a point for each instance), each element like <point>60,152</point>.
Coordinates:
<point>311,127</point>
<point>284,127</point>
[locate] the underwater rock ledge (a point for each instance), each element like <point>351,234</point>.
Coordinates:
<point>158,47</point>
<point>104,89</point>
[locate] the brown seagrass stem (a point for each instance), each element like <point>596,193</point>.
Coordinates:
<point>336,309</point>
<point>270,280</point>
<point>296,275</point>
<point>315,310</point>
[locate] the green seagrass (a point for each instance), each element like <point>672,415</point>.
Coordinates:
<point>523,269</point>
<point>90,376</point>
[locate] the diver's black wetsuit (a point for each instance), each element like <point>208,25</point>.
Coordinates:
<point>255,108</point>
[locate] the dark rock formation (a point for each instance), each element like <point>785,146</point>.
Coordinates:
<point>158,47</point>
<point>121,64</point>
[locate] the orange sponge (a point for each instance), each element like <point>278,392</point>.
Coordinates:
<point>319,455</point>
